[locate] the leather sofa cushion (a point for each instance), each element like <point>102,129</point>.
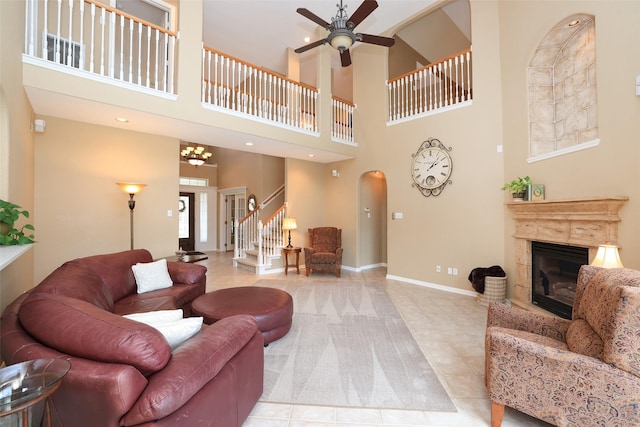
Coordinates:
<point>115,270</point>
<point>84,330</point>
<point>74,280</point>
<point>192,365</point>
<point>177,296</point>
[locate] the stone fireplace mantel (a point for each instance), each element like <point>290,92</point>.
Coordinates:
<point>577,222</point>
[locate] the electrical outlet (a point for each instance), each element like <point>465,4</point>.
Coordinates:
<point>455,271</point>
<point>449,270</point>
<point>438,269</point>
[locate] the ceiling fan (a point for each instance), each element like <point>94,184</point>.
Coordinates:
<point>341,35</point>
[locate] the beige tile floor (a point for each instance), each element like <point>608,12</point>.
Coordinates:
<point>448,327</point>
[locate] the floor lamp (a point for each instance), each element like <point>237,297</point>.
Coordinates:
<point>131,190</point>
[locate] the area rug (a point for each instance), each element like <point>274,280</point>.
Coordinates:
<point>349,347</point>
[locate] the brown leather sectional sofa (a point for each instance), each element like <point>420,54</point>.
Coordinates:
<point>123,373</point>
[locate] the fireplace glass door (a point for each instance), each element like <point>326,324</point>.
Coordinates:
<point>554,275</point>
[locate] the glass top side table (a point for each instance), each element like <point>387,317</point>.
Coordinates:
<point>25,384</point>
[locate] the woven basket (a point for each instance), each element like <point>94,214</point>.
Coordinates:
<point>495,290</point>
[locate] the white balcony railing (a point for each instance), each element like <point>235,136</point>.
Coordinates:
<point>432,88</point>
<point>89,36</point>
<point>342,120</point>
<point>233,84</point>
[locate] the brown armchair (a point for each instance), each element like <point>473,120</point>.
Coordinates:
<point>325,250</point>
<point>581,372</point>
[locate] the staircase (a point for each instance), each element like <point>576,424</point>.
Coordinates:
<point>258,244</point>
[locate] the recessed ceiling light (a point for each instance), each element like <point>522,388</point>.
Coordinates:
<point>312,155</point>
<point>248,144</point>
<point>122,120</point>
<point>574,23</point>
<point>307,39</point>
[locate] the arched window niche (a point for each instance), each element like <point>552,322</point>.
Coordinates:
<point>563,113</point>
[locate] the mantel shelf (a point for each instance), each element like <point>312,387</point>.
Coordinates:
<point>8,254</point>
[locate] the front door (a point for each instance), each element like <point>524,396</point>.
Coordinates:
<point>186,221</point>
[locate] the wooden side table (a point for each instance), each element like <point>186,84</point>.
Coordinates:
<point>287,251</point>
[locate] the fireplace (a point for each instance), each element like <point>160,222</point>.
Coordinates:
<point>584,223</point>
<point>554,275</point>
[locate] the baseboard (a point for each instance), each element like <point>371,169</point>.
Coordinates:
<point>433,285</point>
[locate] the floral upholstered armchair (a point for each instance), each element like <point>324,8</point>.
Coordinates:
<point>581,372</point>
<point>324,251</point>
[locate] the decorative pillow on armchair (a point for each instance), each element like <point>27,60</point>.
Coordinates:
<point>152,275</point>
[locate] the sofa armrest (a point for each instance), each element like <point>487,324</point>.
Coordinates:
<point>558,385</point>
<point>192,365</point>
<point>187,273</point>
<point>514,318</point>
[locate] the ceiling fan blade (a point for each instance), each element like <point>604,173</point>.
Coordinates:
<point>379,40</point>
<point>345,58</point>
<point>363,11</point>
<point>310,46</point>
<point>312,16</point>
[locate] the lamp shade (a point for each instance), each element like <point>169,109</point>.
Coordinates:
<point>289,224</point>
<point>131,188</point>
<point>607,257</point>
<point>341,41</point>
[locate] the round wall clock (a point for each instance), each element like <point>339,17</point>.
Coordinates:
<point>431,167</point>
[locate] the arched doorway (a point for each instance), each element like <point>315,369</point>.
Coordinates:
<point>372,220</point>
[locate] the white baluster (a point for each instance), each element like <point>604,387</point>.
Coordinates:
<point>468,76</point>
<point>457,80</point>
<point>139,62</point>
<point>120,76</point>
<point>56,55</point>
<point>45,31</point>
<point>156,61</point>
<point>70,49</point>
<point>102,49</point>
<point>81,51</point>
<point>130,50</point>
<point>92,47</point>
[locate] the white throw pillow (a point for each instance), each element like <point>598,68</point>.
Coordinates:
<point>170,324</point>
<point>160,316</point>
<point>151,276</point>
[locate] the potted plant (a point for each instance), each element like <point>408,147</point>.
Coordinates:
<point>518,187</point>
<point>9,234</point>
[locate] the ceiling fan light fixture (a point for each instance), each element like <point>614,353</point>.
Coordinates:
<point>341,41</point>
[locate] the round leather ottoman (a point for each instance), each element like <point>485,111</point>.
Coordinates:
<point>272,308</point>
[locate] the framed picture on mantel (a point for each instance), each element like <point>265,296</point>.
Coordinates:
<point>537,192</point>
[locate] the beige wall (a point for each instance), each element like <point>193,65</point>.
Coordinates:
<point>607,170</point>
<point>205,172</point>
<point>306,193</point>
<point>462,227</point>
<point>16,143</point>
<point>261,174</point>
<point>81,210</point>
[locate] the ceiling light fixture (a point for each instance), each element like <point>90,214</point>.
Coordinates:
<point>342,37</point>
<point>307,39</point>
<point>574,23</point>
<point>122,120</point>
<point>196,156</point>
<point>249,144</point>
